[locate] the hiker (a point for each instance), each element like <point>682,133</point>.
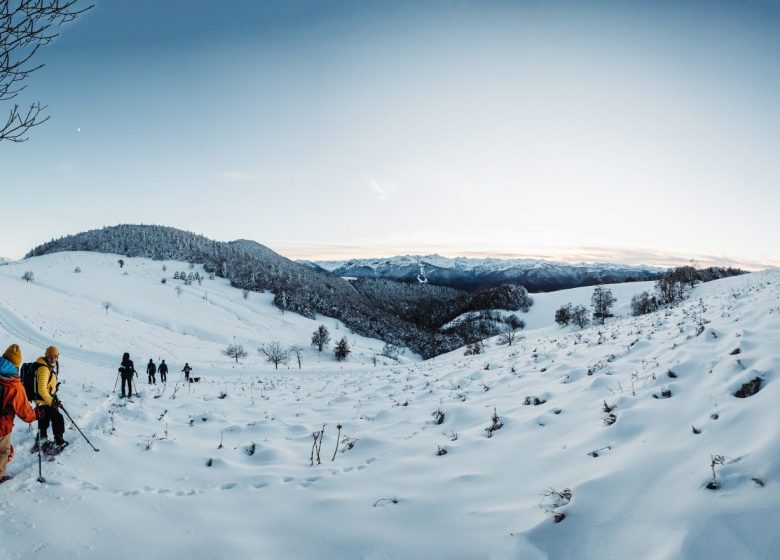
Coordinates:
<point>186,369</point>
<point>163,369</point>
<point>13,402</point>
<point>126,370</point>
<point>151,369</point>
<point>48,403</point>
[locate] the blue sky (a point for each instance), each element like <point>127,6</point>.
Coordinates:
<point>642,132</point>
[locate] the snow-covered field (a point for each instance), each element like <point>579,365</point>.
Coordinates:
<point>638,486</point>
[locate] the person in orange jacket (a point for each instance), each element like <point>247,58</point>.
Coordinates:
<point>13,402</point>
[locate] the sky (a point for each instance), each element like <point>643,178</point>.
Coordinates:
<point>619,131</point>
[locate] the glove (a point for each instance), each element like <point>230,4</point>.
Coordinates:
<point>56,403</point>
<point>38,413</point>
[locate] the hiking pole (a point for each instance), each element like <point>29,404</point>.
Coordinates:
<point>115,382</point>
<point>79,429</point>
<point>40,472</point>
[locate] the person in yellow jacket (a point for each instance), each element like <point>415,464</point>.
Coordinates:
<point>48,403</point>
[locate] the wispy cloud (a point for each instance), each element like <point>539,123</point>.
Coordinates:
<point>382,190</point>
<point>238,176</point>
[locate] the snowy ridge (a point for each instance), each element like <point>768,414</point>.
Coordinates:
<point>470,274</point>
<point>638,486</point>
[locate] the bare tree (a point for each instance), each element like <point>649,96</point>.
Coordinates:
<point>320,337</point>
<point>26,26</point>
<point>297,351</point>
<point>509,336</point>
<point>579,316</point>
<point>28,276</point>
<point>275,353</point>
<point>235,351</point>
<point>106,306</point>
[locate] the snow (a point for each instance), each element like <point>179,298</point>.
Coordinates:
<point>149,492</point>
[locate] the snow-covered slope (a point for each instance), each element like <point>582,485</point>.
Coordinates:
<point>145,317</point>
<point>638,486</point>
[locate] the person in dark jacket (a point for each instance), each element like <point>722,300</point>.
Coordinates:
<point>151,369</point>
<point>163,369</point>
<point>13,402</point>
<point>187,369</point>
<point>127,370</point>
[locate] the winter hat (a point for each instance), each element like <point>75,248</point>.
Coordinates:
<point>52,352</point>
<point>14,355</point>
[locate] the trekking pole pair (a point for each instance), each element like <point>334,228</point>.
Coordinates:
<point>76,425</point>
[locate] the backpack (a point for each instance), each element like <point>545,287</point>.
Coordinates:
<point>29,376</point>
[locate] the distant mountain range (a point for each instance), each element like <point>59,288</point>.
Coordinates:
<point>474,274</point>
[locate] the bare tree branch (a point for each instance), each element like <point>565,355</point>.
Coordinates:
<point>25,26</point>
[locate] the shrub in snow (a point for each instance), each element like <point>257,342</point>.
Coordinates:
<point>77,269</point>
<point>610,419</point>
<point>666,393</point>
<point>316,446</point>
<point>342,349</point>
<point>552,500</point>
<point>642,304</point>
<point>438,416</point>
<point>597,452</point>
<point>714,483</point>
<point>121,263</point>
<point>28,276</point>
<point>563,314</point>
<point>473,348</point>
<point>441,451</point>
<point>749,389</point>
<point>495,424</point>
<point>535,401</point>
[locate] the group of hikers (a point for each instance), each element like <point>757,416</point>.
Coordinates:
<point>21,384</point>
<point>15,400</point>
<point>127,371</point>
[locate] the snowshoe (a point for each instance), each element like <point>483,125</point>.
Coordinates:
<point>44,444</point>
<point>54,449</point>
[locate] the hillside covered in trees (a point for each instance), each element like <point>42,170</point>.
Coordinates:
<point>402,314</point>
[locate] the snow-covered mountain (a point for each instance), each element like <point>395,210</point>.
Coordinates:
<point>412,462</point>
<point>470,274</point>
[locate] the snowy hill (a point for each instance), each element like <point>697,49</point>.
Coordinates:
<point>224,469</point>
